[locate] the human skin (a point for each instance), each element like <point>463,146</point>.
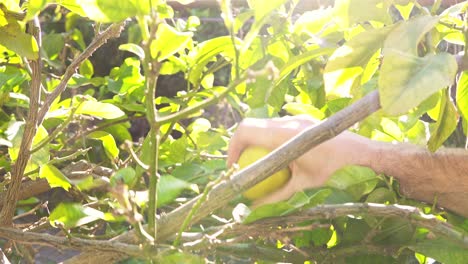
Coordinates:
<point>422,175</point>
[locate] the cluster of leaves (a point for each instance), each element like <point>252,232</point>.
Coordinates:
<point>317,64</point>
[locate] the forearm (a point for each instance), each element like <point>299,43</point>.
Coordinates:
<point>424,175</point>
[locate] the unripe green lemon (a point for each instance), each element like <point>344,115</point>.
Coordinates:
<point>270,184</point>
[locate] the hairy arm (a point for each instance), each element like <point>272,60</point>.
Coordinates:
<point>423,175</point>
<point>441,176</point>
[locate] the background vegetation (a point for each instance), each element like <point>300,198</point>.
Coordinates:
<point>116,115</point>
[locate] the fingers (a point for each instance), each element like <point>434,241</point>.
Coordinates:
<point>267,133</point>
<point>249,133</point>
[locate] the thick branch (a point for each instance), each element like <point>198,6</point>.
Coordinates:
<point>409,213</point>
<point>260,170</point>
<point>93,246</point>
<point>30,128</point>
<point>321,255</point>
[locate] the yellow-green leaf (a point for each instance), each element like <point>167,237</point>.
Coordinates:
<point>16,40</point>
<point>54,176</point>
<point>446,123</point>
<point>406,80</point>
<point>108,143</point>
<point>462,94</point>
<point>168,41</point>
<point>98,109</point>
<point>348,62</point>
<point>73,215</point>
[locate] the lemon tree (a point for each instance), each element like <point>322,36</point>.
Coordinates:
<point>116,116</point>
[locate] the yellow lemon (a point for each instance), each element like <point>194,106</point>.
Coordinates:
<point>270,184</point>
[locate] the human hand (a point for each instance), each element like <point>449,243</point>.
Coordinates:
<point>310,170</point>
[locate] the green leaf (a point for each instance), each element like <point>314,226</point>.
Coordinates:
<point>381,195</point>
<point>300,109</point>
<point>98,109</point>
<point>462,94</point>
<point>355,180</point>
<point>348,62</point>
<point>301,59</point>
<point>394,230</point>
<point>446,123</point>
<point>105,11</point>
<point>169,189</point>
<point>406,36</point>
<point>126,176</point>
<point>19,42</point>
<point>406,80</point>
<point>133,48</point>
<point>298,201</point>
<point>87,69</point>
<point>15,133</point>
<point>350,12</point>
<point>108,143</point>
<point>168,42</point>
<point>263,7</point>
<point>72,215</point>
<point>53,44</point>
<point>442,250</point>
<point>181,257</point>
<point>206,52</point>
<point>54,177</point>
<point>34,7</point>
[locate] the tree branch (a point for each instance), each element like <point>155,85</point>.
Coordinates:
<point>30,129</point>
<point>92,246</point>
<point>223,193</point>
<point>112,31</point>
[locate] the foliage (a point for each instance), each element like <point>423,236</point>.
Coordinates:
<point>271,62</point>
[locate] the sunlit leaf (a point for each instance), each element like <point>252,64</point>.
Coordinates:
<point>355,180</point>
<point>16,40</point>
<point>72,215</point>
<point>87,69</point>
<point>15,133</point>
<point>168,41</point>
<point>133,48</point>
<point>348,62</point>
<point>207,51</point>
<point>462,94</point>
<point>406,36</point>
<point>264,7</point>
<point>98,109</point>
<point>108,143</point>
<point>349,12</point>
<point>301,59</point>
<point>105,11</point>
<point>446,123</point>
<point>407,80</point>
<point>54,177</point>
